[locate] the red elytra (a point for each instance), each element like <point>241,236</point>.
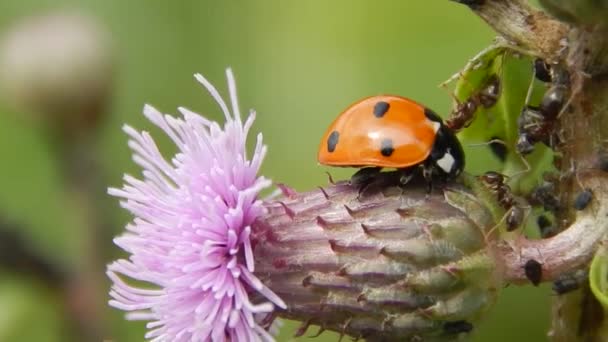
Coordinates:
<point>401,124</point>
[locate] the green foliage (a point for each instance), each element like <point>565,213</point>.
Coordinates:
<point>598,276</point>
<point>26,304</point>
<point>499,122</point>
<point>297,63</point>
<point>578,11</point>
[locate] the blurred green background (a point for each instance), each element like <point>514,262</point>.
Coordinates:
<point>298,63</point>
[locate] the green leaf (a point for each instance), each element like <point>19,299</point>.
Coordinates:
<point>598,276</point>
<point>26,304</point>
<point>500,120</point>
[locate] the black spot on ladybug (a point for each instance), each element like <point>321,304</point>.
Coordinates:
<point>583,199</point>
<point>387,147</point>
<point>381,108</point>
<point>332,141</point>
<point>457,327</point>
<point>534,271</point>
<point>432,115</point>
<point>498,149</point>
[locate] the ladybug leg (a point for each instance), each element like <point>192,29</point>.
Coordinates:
<point>405,175</point>
<point>427,173</point>
<point>364,176</point>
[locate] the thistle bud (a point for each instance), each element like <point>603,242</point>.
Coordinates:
<point>59,67</point>
<point>398,264</point>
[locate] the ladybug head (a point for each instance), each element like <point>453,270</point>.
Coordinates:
<point>447,156</point>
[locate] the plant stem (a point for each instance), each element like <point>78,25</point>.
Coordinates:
<point>583,49</point>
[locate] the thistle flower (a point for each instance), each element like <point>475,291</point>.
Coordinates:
<point>388,265</point>
<point>58,66</point>
<point>190,239</point>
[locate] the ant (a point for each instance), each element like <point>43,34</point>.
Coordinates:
<point>462,116</point>
<point>495,182</point>
<point>537,123</point>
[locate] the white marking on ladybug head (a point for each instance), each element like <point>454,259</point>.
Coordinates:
<point>436,126</point>
<point>446,163</point>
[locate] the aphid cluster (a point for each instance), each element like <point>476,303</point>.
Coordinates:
<point>534,271</point>
<point>582,200</point>
<point>546,228</point>
<point>545,195</point>
<point>570,281</point>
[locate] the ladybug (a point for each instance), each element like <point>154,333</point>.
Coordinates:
<point>394,132</point>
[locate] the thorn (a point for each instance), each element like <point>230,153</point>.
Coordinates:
<point>286,190</point>
<point>405,212</point>
<point>330,178</point>
<point>383,324</point>
<point>416,338</point>
<point>268,319</point>
<point>426,230</point>
<point>321,330</point>
<point>344,327</point>
<point>333,245</point>
<point>325,224</point>
<point>366,229</point>
<point>324,192</point>
<point>288,210</point>
<point>307,281</point>
<point>279,263</point>
<point>426,312</point>
<point>359,212</point>
<point>322,222</point>
<point>451,270</point>
<point>302,328</point>
<point>361,298</point>
<point>351,212</point>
